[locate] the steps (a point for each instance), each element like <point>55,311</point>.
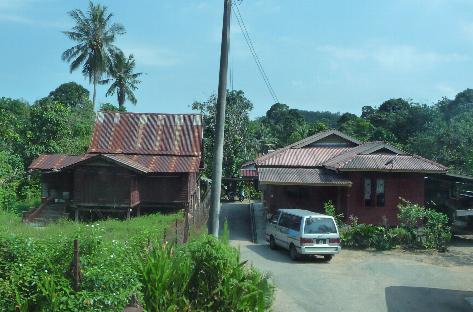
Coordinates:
<point>51,213</point>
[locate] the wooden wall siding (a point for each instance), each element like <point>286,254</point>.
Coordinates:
<point>163,189</point>
<point>58,182</point>
<point>407,186</point>
<point>102,186</point>
<point>134,191</point>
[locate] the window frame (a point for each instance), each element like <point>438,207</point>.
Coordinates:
<point>373,201</point>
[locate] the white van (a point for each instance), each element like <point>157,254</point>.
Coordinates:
<point>303,232</point>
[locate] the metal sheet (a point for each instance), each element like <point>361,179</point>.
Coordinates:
<point>149,134</point>
<point>301,176</point>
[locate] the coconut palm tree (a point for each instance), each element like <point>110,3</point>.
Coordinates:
<point>94,35</point>
<point>125,81</point>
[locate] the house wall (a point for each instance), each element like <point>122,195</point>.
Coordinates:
<point>164,189</point>
<point>102,185</point>
<point>396,185</point>
<point>55,184</point>
<point>349,200</point>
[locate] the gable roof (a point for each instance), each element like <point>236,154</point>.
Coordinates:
<point>301,176</point>
<point>147,134</point>
<point>353,156</point>
<point>140,163</point>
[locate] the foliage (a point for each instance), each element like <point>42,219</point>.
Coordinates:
<point>330,210</point>
<point>238,146</point>
<point>426,228</point>
<point>35,263</point>
<point>94,37</point>
<point>205,275</point>
<point>10,178</point>
<point>124,80</point>
<point>108,107</point>
<point>359,235</point>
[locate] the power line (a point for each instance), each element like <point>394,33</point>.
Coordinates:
<point>257,60</point>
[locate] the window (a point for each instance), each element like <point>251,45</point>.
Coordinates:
<point>295,223</point>
<point>380,192</point>
<point>319,226</point>
<point>367,192</point>
<point>284,220</point>
<point>274,218</point>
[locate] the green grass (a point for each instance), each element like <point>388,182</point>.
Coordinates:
<point>111,229</point>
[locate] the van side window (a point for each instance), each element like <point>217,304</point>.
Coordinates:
<point>295,223</point>
<point>284,220</point>
<point>274,218</point>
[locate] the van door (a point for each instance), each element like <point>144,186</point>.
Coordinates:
<point>282,230</point>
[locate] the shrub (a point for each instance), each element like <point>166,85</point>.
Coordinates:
<point>425,228</point>
<point>208,276</point>
<point>330,210</point>
<point>359,235</point>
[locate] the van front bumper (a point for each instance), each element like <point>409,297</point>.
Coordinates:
<point>319,250</point>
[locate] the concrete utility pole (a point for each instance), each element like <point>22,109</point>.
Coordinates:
<point>220,123</point>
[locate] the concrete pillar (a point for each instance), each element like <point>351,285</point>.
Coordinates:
<point>76,213</point>
<point>128,213</point>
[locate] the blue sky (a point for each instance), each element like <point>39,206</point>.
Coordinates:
<point>319,55</point>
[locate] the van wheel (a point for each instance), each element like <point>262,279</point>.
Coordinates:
<point>293,253</point>
<point>272,243</point>
<point>327,258</point>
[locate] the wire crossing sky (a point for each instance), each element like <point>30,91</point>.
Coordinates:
<point>317,55</point>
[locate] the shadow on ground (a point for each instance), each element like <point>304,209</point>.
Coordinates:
<point>281,255</point>
<point>421,299</point>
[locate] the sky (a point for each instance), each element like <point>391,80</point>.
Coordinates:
<point>319,55</point>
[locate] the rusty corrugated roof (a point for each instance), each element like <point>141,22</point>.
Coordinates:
<point>301,176</point>
<point>56,161</point>
<point>141,163</point>
<point>390,162</point>
<point>147,134</point>
<point>302,157</point>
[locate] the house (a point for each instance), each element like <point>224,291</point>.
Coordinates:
<point>365,180</point>
<point>136,163</point>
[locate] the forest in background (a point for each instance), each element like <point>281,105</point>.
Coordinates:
<point>62,122</point>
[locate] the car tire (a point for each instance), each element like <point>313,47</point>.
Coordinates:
<point>327,258</point>
<point>272,243</point>
<point>293,253</point>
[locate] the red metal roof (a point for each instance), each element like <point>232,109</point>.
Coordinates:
<point>301,176</point>
<point>248,173</point>
<point>393,162</point>
<point>141,163</point>
<point>56,161</point>
<point>147,134</point>
<point>302,157</point>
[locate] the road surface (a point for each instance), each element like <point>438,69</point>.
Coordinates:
<point>360,280</point>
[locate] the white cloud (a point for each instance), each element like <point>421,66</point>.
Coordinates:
<point>395,57</point>
<point>154,56</point>
<point>15,19</point>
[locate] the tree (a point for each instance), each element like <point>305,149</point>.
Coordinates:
<point>50,130</point>
<point>238,146</point>
<point>73,95</point>
<point>125,81</point>
<point>108,107</point>
<point>94,36</point>
<point>286,124</point>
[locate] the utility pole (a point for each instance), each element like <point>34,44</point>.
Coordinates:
<point>220,123</point>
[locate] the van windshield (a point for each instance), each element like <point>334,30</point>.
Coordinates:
<point>316,225</point>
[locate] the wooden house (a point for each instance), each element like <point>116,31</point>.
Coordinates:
<point>364,180</point>
<point>136,163</point>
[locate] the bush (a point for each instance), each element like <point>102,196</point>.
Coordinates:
<point>35,263</point>
<point>359,235</point>
<point>425,228</point>
<point>208,277</point>
<point>330,210</point>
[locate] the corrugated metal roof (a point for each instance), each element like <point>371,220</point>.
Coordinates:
<point>301,176</point>
<point>56,161</point>
<point>150,134</point>
<point>248,173</point>
<point>302,157</point>
<point>141,163</point>
<point>393,162</point>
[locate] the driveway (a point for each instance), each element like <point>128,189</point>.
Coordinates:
<point>360,280</point>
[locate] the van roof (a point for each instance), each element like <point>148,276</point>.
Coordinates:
<point>303,213</point>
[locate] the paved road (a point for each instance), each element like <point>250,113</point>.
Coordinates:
<point>358,280</point>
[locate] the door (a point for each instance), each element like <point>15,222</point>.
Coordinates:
<point>282,230</point>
